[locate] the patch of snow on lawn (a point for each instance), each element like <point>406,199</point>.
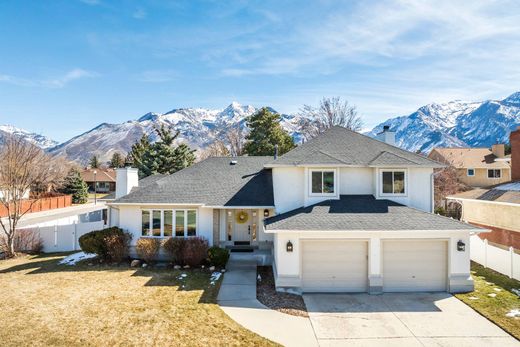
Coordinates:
<point>74,258</point>
<point>182,276</point>
<point>516,291</point>
<point>513,313</point>
<point>215,277</point>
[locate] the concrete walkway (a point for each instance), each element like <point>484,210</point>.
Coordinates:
<point>237,298</point>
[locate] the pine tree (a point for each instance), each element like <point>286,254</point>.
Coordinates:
<point>75,186</point>
<point>117,161</point>
<point>163,156</point>
<point>94,162</point>
<point>265,133</point>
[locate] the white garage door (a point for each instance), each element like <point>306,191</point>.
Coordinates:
<point>335,266</point>
<point>415,265</point>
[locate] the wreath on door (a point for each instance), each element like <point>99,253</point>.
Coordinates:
<point>242,217</point>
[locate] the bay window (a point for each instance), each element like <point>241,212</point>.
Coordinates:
<point>161,223</point>
<point>393,182</point>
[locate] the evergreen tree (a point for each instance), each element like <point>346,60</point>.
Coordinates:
<point>117,161</point>
<point>265,133</point>
<point>163,156</point>
<point>75,186</point>
<point>94,162</point>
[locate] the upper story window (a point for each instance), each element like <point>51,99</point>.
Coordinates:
<point>162,223</point>
<point>393,182</point>
<point>494,173</point>
<point>322,182</point>
<point>471,172</point>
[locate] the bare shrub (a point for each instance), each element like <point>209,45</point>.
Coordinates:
<point>195,250</point>
<point>148,249</point>
<point>25,241</point>
<point>174,247</point>
<point>117,246</point>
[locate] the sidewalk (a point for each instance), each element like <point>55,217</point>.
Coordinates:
<point>237,298</point>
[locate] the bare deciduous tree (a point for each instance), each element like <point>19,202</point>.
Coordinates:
<point>22,166</point>
<point>447,182</point>
<point>236,139</point>
<point>216,149</point>
<point>330,112</point>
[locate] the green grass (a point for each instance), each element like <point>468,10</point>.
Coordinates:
<point>495,309</point>
<point>46,304</point>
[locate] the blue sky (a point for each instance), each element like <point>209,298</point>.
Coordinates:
<point>68,65</point>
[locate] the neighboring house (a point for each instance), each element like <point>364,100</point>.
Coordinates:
<point>341,213</point>
<point>496,208</point>
<point>476,167</point>
<point>103,179</point>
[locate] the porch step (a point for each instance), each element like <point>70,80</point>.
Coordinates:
<point>242,243</point>
<point>244,248</point>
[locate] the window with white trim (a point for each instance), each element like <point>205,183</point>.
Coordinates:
<point>471,172</point>
<point>393,182</point>
<point>322,182</point>
<point>494,173</point>
<point>162,223</point>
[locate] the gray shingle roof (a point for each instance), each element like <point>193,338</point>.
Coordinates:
<point>361,212</point>
<point>340,146</point>
<point>212,182</point>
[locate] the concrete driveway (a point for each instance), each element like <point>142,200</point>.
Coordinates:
<point>418,319</point>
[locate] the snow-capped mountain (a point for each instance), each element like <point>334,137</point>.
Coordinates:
<point>198,127</point>
<point>36,139</point>
<point>456,124</point>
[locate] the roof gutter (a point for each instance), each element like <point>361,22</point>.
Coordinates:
<point>484,201</point>
<point>476,230</point>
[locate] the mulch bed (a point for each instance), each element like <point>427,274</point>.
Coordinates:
<point>266,293</point>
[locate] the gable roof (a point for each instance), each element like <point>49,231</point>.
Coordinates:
<point>361,212</point>
<point>212,182</point>
<point>342,147</point>
<point>473,158</point>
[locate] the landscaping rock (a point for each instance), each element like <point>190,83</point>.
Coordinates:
<point>497,289</point>
<point>135,263</point>
<point>186,266</point>
<point>492,295</point>
<point>211,268</point>
<point>177,267</point>
<point>144,265</point>
<point>223,270</point>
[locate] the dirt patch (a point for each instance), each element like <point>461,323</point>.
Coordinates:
<point>266,293</point>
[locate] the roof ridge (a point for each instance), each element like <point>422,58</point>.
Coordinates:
<point>397,155</point>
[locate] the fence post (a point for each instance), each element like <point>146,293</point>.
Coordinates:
<point>74,246</point>
<point>485,252</point>
<point>55,235</point>
<point>511,260</point>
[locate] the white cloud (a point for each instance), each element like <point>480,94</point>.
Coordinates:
<point>55,82</point>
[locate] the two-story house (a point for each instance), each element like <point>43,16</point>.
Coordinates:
<point>340,213</point>
<point>476,167</point>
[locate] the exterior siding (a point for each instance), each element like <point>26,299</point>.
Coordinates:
<point>481,179</point>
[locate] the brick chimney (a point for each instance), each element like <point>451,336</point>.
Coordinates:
<point>514,139</point>
<point>499,150</point>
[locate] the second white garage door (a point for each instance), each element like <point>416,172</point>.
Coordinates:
<point>415,265</point>
<point>334,266</point>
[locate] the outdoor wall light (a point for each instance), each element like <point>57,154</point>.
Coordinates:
<point>289,246</point>
<point>461,246</point>
<point>266,213</point>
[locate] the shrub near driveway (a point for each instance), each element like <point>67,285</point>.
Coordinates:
<point>108,244</point>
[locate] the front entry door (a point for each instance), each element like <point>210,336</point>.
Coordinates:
<point>242,225</point>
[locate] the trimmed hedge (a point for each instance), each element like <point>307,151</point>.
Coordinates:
<point>109,244</point>
<point>218,256</point>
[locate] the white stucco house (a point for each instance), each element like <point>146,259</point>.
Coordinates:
<point>340,213</point>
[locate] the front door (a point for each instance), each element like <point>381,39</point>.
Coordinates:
<point>242,226</point>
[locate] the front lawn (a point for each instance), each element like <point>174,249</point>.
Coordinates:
<point>43,303</point>
<point>501,301</point>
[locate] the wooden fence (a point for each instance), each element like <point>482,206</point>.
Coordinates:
<point>43,204</point>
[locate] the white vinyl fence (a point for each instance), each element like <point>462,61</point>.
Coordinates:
<point>64,238</point>
<point>505,261</point>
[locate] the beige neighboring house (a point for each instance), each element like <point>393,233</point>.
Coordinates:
<point>477,167</point>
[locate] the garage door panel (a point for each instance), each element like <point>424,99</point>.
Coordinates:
<point>418,265</point>
<point>335,266</point>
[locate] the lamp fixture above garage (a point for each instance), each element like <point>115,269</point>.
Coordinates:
<point>289,246</point>
<point>461,246</point>
<point>266,213</point>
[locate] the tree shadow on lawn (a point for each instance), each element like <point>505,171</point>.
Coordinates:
<point>195,279</point>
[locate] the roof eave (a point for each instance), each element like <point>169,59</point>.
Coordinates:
<point>473,230</point>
